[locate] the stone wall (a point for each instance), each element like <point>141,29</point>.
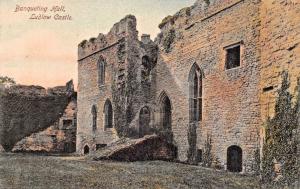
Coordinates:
<point>280,49</point>
<point>235,101</point>
<point>231,111</point>
<point>112,48</point>
<point>58,138</point>
<point>30,109</point>
<point>122,52</point>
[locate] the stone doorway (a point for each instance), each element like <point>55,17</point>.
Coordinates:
<point>144,121</point>
<point>166,112</point>
<point>234,159</point>
<point>86,150</point>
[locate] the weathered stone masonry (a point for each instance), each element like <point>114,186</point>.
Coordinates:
<point>151,85</point>
<point>35,119</point>
<point>124,85</point>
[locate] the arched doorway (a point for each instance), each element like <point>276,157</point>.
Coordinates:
<point>86,150</point>
<point>165,112</point>
<point>234,159</point>
<point>144,121</point>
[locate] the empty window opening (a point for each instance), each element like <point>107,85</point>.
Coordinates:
<point>101,71</point>
<point>108,114</point>
<point>146,68</point>
<point>94,117</point>
<point>234,159</point>
<point>195,85</point>
<point>86,150</point>
<point>67,122</point>
<point>233,57</point>
<point>267,89</point>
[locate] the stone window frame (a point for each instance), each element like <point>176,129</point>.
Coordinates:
<point>225,50</point>
<point>196,113</point>
<point>104,115</point>
<point>101,68</point>
<point>94,112</point>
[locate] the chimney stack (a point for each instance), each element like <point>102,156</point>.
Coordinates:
<point>145,38</point>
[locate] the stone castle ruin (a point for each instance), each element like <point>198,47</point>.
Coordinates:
<point>201,92</point>
<point>39,119</point>
<point>206,84</point>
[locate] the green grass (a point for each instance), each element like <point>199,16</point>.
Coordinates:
<point>33,171</point>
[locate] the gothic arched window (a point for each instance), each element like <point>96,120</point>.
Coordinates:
<point>108,114</point>
<point>101,71</point>
<point>94,115</point>
<point>195,86</point>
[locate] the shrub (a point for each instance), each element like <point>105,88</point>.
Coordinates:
<point>280,144</point>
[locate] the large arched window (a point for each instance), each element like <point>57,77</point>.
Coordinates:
<point>94,115</point>
<point>108,114</point>
<point>195,88</point>
<point>101,71</point>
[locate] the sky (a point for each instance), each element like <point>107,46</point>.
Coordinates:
<point>44,52</point>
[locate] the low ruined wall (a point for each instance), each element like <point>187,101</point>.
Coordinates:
<point>59,138</point>
<point>29,109</point>
<point>150,147</point>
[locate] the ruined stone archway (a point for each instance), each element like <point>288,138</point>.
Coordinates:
<point>144,121</point>
<point>234,159</point>
<point>86,150</point>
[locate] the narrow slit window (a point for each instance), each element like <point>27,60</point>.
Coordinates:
<point>101,71</point>
<point>94,115</point>
<point>267,89</point>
